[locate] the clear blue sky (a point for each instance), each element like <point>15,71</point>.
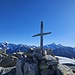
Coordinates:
<point>20,19</point>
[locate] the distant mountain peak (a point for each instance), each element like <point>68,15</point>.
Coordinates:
<point>53,43</point>
<point>6,42</point>
<point>60,45</point>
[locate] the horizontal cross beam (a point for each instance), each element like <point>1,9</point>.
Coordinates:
<point>40,34</point>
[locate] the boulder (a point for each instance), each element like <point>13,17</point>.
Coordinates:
<point>64,70</point>
<point>19,67</point>
<point>18,54</point>
<point>35,60</point>
<point>49,58</point>
<point>8,61</point>
<point>7,71</point>
<point>47,72</point>
<point>44,52</point>
<point>49,52</point>
<point>43,66</point>
<point>11,72</point>
<point>38,54</point>
<point>30,69</point>
<point>53,62</point>
<point>28,54</point>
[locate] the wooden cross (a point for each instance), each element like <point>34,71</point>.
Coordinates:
<point>41,35</point>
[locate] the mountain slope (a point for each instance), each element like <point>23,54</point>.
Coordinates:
<point>61,50</point>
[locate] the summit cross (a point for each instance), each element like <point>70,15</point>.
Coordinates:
<point>41,35</point>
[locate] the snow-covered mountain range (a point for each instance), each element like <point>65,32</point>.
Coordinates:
<point>61,50</point>
<point>58,50</point>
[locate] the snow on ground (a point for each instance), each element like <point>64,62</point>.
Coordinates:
<point>5,70</point>
<point>65,60</point>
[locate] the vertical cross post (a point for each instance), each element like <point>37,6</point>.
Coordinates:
<point>41,40</point>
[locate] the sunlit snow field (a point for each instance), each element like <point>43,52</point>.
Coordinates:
<point>64,60</point>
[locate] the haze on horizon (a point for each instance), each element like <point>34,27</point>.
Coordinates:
<point>21,19</point>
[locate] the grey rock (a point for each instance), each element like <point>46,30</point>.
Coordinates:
<point>19,67</point>
<point>53,62</point>
<point>72,66</point>
<point>28,54</point>
<point>49,58</point>
<point>44,52</point>
<point>3,50</point>
<point>43,61</point>
<point>38,54</point>
<point>54,67</point>
<point>8,61</point>
<point>47,72</point>
<point>35,59</point>
<point>64,70</point>
<point>43,66</point>
<point>18,54</point>
<point>49,52</point>
<point>1,72</point>
<point>6,71</point>
<point>11,72</point>
<point>30,69</point>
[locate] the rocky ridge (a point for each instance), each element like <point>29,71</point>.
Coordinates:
<point>33,62</point>
<point>41,63</point>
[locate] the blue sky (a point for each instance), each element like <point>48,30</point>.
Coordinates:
<point>20,20</point>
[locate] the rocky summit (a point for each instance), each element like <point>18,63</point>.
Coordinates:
<point>33,62</point>
<point>37,63</point>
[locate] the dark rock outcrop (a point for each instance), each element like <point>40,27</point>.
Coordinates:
<point>7,60</point>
